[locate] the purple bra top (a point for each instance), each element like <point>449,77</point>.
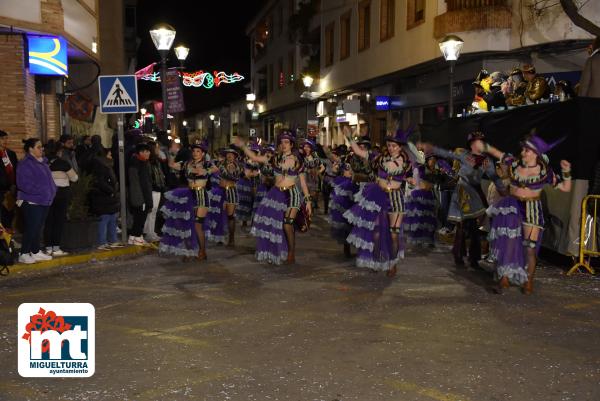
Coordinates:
<point>397,173</point>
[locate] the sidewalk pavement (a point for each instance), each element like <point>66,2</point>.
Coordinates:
<point>92,255</point>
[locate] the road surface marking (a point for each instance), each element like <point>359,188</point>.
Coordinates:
<point>428,392</point>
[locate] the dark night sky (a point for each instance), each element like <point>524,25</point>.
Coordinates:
<point>215,34</point>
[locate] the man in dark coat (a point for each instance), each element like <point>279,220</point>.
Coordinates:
<point>589,86</point>
<point>8,190</point>
<point>139,189</point>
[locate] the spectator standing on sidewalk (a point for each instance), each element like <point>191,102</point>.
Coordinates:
<point>8,181</point>
<point>36,190</point>
<point>68,152</point>
<point>158,187</point>
<point>140,191</point>
<point>63,175</point>
<point>104,198</point>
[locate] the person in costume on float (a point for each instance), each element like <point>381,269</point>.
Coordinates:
<point>377,215</point>
<point>468,203</point>
<point>313,168</point>
<point>185,209</point>
<point>246,187</point>
<point>518,219</point>
<point>273,224</point>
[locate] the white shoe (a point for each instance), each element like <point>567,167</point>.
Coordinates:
<point>104,247</point>
<point>131,240</point>
<point>48,250</point>
<point>139,241</point>
<point>27,259</point>
<point>40,256</point>
<point>115,245</point>
<point>59,252</point>
<point>152,238</point>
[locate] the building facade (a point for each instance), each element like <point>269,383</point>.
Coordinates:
<point>388,49</point>
<point>91,33</point>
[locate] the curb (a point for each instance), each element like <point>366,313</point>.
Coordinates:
<point>77,259</point>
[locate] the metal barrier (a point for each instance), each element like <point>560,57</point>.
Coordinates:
<point>585,249</point>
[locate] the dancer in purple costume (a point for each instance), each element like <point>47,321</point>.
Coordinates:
<point>377,215</point>
<point>267,178</point>
<point>185,209</point>
<point>313,168</point>
<point>224,199</point>
<point>246,188</point>
<point>420,220</point>
<point>273,224</point>
<point>518,219</point>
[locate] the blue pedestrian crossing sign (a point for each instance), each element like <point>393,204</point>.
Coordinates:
<point>118,94</point>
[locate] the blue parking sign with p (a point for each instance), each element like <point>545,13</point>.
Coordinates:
<point>118,94</point>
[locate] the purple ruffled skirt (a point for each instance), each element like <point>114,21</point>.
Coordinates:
<point>371,230</point>
<point>267,227</point>
<point>506,239</point>
<point>178,233</point>
<point>420,220</point>
<point>216,219</point>
<point>342,199</point>
<point>243,211</point>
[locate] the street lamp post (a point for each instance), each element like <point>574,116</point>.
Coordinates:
<point>163,36</point>
<point>307,80</point>
<point>450,47</point>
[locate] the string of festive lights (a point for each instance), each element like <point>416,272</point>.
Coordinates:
<point>198,79</point>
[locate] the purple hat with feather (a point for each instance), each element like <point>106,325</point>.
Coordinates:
<point>289,135</point>
<point>201,145</point>
<point>401,136</point>
<point>310,143</point>
<point>538,145</point>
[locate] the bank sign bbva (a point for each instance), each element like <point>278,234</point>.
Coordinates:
<point>47,55</point>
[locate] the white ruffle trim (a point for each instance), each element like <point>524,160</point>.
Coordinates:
<point>270,257</point>
<point>498,232</point>
<point>366,204</point>
<point>337,207</point>
<point>357,221</point>
<point>272,204</point>
<point>175,215</point>
<point>421,201</point>
<point>496,211</point>
<point>420,213</point>
<point>339,225</point>
<point>340,192</point>
<point>516,274</point>
<point>380,266</point>
<point>215,238</point>
<point>360,243</point>
<point>268,221</point>
<point>175,199</point>
<point>275,238</point>
<point>164,249</point>
<point>173,232</point>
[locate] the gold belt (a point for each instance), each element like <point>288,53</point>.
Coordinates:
<point>526,199</point>
<point>227,187</point>
<point>194,187</point>
<point>283,189</point>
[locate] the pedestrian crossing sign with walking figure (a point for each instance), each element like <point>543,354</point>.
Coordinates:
<point>118,94</point>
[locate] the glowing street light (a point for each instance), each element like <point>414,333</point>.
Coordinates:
<point>450,47</point>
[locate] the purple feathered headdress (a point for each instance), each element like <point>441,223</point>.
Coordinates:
<point>201,145</point>
<point>289,135</point>
<point>538,145</point>
<point>310,143</point>
<point>401,136</point>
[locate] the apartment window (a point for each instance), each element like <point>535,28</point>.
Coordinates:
<point>386,19</point>
<point>364,25</point>
<point>292,66</point>
<point>345,35</point>
<point>280,74</point>
<point>329,31</point>
<point>415,13</point>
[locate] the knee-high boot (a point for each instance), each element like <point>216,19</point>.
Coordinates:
<point>395,236</point>
<point>531,263</point>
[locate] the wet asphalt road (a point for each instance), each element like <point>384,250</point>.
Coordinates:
<point>232,329</point>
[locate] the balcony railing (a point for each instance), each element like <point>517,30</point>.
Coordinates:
<point>473,15</point>
<point>454,5</point>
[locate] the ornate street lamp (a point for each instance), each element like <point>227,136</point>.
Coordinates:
<point>181,52</point>
<point>450,47</point>
<point>163,36</point>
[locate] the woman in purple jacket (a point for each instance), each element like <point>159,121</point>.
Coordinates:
<point>36,190</point>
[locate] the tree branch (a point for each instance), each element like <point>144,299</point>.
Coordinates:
<point>572,12</point>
